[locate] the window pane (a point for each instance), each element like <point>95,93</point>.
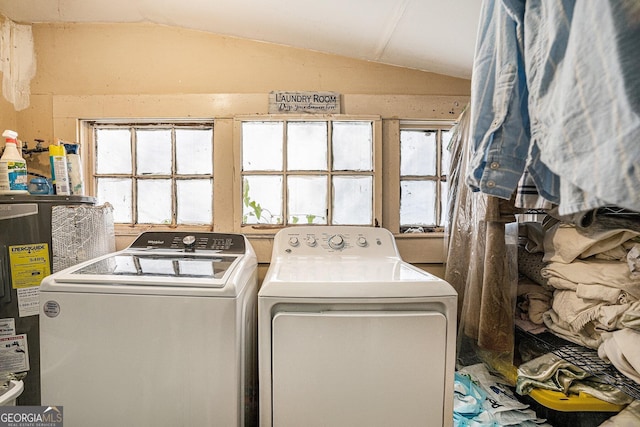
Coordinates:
<point>113,151</point>
<point>262,146</point>
<point>194,201</point>
<point>352,200</point>
<point>307,196</point>
<point>154,201</point>
<point>417,203</point>
<point>262,200</point>
<point>116,191</point>
<point>194,151</point>
<point>307,146</point>
<point>352,146</point>
<point>418,152</point>
<point>153,152</point>
<point>446,154</point>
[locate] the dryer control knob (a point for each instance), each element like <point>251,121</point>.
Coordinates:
<point>311,241</point>
<point>362,242</point>
<point>293,241</point>
<point>336,242</point>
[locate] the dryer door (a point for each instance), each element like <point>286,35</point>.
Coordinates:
<point>358,368</point>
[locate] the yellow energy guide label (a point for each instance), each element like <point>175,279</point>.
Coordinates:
<point>29,264</point>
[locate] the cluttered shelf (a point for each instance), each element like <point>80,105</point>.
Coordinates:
<point>584,358</point>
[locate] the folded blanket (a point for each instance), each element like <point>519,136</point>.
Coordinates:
<point>586,337</point>
<point>603,293</point>
<point>614,274</point>
<point>622,349</point>
<point>584,321</point>
<point>564,243</point>
<point>578,312</point>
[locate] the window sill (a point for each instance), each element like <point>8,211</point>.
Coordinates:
<point>422,248</point>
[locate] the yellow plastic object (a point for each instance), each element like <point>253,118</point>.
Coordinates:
<point>500,364</point>
<point>582,402</point>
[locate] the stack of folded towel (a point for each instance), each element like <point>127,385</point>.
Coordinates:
<point>594,277</point>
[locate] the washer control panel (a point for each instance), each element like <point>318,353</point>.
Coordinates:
<point>343,240</point>
<point>190,242</point>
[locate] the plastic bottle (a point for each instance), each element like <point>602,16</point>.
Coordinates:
<point>74,164</point>
<point>13,168</point>
<point>59,171</point>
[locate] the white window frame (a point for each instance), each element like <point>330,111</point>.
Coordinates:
<point>376,171</point>
<point>89,126</point>
<point>439,177</point>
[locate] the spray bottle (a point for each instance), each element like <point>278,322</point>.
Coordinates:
<point>13,168</point>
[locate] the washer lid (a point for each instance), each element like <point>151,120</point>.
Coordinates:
<point>346,270</point>
<point>153,269</point>
<point>327,277</point>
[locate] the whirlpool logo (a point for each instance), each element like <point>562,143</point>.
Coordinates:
<point>31,416</point>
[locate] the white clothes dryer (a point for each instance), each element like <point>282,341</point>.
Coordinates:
<point>351,335</point>
<point>162,333</point>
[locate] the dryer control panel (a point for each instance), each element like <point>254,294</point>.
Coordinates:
<point>342,240</point>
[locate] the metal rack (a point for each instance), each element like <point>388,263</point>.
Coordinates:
<point>586,359</point>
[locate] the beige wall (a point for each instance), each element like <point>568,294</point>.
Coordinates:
<point>8,116</point>
<point>150,59</point>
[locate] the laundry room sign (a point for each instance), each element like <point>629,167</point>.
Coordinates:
<point>304,102</point>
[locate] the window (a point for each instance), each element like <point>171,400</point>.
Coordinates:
<point>309,171</point>
<point>155,173</point>
<point>424,166</point>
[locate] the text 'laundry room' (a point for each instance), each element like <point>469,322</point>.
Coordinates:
<point>333,214</point>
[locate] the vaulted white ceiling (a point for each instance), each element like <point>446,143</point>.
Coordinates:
<point>430,35</point>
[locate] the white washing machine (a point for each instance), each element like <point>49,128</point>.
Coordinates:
<point>350,335</point>
<point>162,333</point>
